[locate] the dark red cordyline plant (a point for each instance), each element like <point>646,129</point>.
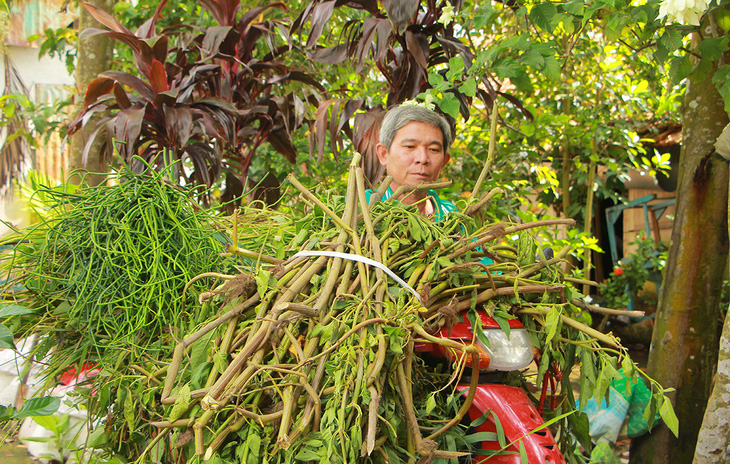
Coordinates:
<point>208,98</point>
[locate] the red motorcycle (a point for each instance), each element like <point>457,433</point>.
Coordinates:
<point>520,421</point>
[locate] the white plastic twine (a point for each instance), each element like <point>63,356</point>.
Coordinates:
<point>362,259</point>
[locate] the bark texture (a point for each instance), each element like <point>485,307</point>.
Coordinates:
<point>713,443</point>
<point>684,343</point>
<point>94,56</point>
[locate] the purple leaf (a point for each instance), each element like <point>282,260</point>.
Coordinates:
<point>121,97</point>
<point>418,47</point>
<point>158,77</point>
<point>92,137</point>
<point>223,11</point>
<point>253,13</point>
<point>371,6</point>
<point>147,30</point>
<point>214,37</point>
<point>179,122</point>
<point>160,47</point>
<point>281,141</point>
<point>97,87</point>
<point>330,55</point>
<point>369,27</point>
<point>365,138</point>
<point>127,126</point>
<point>321,14</point>
<point>384,31</point>
<point>134,82</point>
<point>106,19</point>
<point>401,13</point>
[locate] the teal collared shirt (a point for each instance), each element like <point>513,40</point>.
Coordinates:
<point>441,207</point>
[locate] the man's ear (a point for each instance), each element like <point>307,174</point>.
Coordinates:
<point>447,158</point>
<point>382,153</point>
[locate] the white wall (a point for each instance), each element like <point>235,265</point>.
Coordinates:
<point>34,70</point>
<point>44,78</point>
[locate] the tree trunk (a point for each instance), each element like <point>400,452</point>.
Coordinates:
<point>684,342</point>
<point>713,443</point>
<point>94,55</point>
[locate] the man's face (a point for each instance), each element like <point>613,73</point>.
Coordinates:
<point>416,155</point>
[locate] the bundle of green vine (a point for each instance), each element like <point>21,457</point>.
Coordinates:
<point>308,353</point>
<point>312,358</point>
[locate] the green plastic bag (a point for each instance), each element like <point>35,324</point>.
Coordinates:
<point>627,402</point>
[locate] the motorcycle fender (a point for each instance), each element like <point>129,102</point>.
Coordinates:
<point>519,419</point>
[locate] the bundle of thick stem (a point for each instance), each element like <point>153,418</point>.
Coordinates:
<point>330,338</point>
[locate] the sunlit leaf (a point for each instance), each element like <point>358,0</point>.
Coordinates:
<point>39,407</point>
<point>6,338</point>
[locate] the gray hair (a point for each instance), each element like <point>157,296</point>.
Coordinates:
<point>401,115</point>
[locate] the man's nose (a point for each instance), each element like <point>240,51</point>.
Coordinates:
<point>421,155</point>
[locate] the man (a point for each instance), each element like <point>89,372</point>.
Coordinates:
<point>414,144</point>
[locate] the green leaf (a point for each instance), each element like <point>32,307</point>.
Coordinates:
<point>129,410</point>
<point>722,17</point>
<point>669,42</point>
<point>551,70</point>
<point>62,308</point>
<point>669,417</point>
<point>701,70</point>
<point>6,413</point>
<point>98,438</point>
<point>574,7</point>
<point>449,104</point>
<point>543,15</point>
<point>262,281</point>
<point>39,407</point>
<point>6,338</point>
<point>506,67</point>
<point>479,437</point>
<point>680,68</point>
<point>476,324</point>
<point>220,360</point>
<point>430,403</point>
<point>616,24</point>
<point>712,48</point>
<point>395,338</point>
<point>307,454</point>
<point>604,381</point>
<point>533,58</point>
<point>199,352</point>
<point>435,79</point>
<point>501,437</point>
<point>580,427</point>
<point>14,310</point>
<point>551,323</point>
<point>721,79</point>
<point>569,25</point>
<point>523,453</point>
<point>650,411</point>
<point>182,402</point>
<point>413,224</point>
<point>469,87</point>
<point>456,69</point>
<point>503,323</point>
<point>53,423</point>
<point>628,366</point>
<point>253,447</point>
